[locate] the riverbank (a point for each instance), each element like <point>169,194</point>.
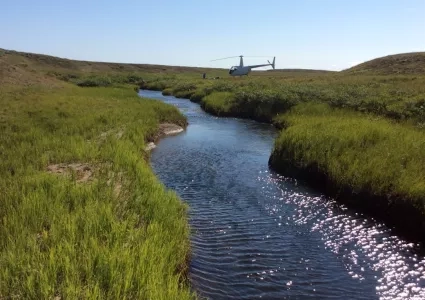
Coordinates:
<point>372,165</point>
<point>82,214</point>
<point>364,150</point>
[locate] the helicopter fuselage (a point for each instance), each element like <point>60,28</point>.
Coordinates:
<point>245,70</point>
<point>239,71</point>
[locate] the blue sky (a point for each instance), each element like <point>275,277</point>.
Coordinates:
<point>317,34</point>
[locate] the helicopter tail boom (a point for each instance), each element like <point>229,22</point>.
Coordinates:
<point>264,65</point>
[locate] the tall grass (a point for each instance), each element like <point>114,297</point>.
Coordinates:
<point>362,152</point>
<point>121,235</point>
<point>219,103</point>
<point>262,97</point>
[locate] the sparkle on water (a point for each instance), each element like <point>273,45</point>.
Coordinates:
<point>257,234</point>
<point>360,243</point>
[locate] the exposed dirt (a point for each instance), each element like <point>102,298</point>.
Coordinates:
<point>117,180</point>
<point>83,171</point>
<point>169,128</point>
<point>150,146</point>
<point>164,129</point>
<point>117,132</point>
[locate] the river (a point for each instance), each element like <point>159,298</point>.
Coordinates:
<point>259,235</point>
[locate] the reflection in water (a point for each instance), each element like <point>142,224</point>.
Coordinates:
<point>362,245</point>
<point>257,234</point>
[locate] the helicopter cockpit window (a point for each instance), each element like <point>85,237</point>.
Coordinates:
<point>232,69</point>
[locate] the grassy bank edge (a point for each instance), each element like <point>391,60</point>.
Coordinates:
<point>369,164</point>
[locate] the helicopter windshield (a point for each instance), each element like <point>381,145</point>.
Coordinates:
<point>232,69</point>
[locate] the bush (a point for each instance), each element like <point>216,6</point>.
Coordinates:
<point>94,82</point>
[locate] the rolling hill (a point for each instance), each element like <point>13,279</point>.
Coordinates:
<point>404,63</point>
<point>31,67</point>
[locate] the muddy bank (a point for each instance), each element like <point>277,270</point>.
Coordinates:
<point>164,129</point>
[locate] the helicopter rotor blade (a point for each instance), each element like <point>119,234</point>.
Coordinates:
<point>260,56</point>
<point>225,58</point>
<point>241,56</point>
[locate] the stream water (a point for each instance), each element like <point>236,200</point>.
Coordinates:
<point>259,235</point>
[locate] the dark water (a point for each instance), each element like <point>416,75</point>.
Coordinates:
<point>260,235</point>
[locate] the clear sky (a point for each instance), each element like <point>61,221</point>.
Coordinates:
<point>317,34</point>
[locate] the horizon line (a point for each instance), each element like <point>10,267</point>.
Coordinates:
<point>199,67</point>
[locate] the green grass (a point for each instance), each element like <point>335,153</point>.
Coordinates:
<point>74,240</point>
<point>363,153</point>
<point>400,97</point>
<point>219,103</point>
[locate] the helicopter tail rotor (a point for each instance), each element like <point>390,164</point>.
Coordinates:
<point>272,64</point>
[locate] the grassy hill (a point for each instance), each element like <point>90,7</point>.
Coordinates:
<point>404,63</point>
<point>31,68</point>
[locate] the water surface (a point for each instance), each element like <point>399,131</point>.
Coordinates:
<point>259,235</point>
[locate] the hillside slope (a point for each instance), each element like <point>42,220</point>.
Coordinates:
<point>404,63</point>
<point>29,67</point>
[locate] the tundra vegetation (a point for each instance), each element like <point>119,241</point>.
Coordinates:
<point>82,214</point>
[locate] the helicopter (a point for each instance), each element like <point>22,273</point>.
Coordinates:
<point>244,70</point>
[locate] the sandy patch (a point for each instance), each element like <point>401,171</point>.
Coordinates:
<point>150,146</point>
<point>83,172</point>
<point>169,128</point>
<point>117,132</point>
<point>164,130</point>
<point>116,180</point>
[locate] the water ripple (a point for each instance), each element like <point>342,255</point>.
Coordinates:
<point>361,244</point>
